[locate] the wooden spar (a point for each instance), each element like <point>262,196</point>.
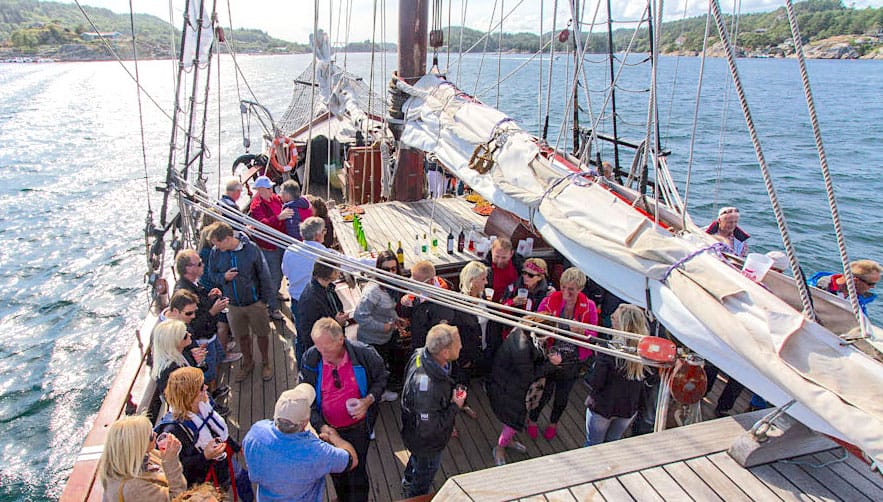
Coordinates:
<point>413,38</point>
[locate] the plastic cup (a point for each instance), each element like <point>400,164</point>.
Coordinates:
<point>352,404</point>
<point>460,391</point>
<point>522,292</point>
<point>756,266</point>
<point>161,441</point>
<point>489,293</point>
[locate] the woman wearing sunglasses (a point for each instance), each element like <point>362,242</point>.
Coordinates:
<point>377,317</point>
<point>132,469</point>
<point>533,279</point>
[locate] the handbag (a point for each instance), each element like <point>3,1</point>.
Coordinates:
<point>534,393</point>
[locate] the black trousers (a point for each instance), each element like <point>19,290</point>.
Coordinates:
<point>353,486</point>
<point>730,392</point>
<point>561,389</point>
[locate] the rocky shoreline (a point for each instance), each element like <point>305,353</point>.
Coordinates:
<point>839,47</point>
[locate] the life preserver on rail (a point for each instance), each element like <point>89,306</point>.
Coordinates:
<point>283,154</point>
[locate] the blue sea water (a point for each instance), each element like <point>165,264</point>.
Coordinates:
<point>75,195</point>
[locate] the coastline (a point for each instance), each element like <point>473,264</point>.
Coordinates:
<point>846,47</point>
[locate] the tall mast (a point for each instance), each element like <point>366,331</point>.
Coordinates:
<point>576,68</point>
<point>413,34</point>
<point>610,52</point>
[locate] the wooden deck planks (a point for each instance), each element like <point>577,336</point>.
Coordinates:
<point>717,480</point>
<point>690,481</point>
<point>639,488</point>
<point>664,484</point>
<point>804,481</point>
<point>753,487</point>
<point>779,484</point>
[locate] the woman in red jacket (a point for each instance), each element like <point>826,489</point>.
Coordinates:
<point>567,303</point>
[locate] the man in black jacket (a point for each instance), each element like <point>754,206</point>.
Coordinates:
<point>429,406</point>
<point>349,378</point>
<point>318,300</point>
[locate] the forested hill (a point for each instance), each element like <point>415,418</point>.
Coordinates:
<point>60,31</point>
<point>823,23</point>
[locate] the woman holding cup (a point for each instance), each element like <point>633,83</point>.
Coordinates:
<point>131,468</point>
<point>567,304</point>
<point>201,431</point>
<point>531,286</point>
<point>170,341</point>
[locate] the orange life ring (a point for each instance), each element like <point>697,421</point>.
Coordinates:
<point>283,148</point>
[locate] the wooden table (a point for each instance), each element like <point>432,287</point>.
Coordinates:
<point>393,222</point>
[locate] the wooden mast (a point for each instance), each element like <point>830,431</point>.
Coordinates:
<point>413,35</point>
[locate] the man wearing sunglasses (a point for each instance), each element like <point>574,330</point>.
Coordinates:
<point>204,324</point>
<point>349,378</point>
<point>866,274</point>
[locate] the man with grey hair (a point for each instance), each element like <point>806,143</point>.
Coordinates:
<point>232,192</point>
<point>288,462</point>
<point>297,264</point>
<point>429,405</point>
<point>350,377</point>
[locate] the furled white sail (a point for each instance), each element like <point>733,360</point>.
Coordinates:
<point>192,54</point>
<point>740,326</point>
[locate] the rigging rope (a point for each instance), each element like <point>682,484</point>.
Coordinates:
<point>552,35</point>
<point>696,117</point>
<point>308,164</point>
<point>140,109</point>
<point>823,162</point>
<point>510,316</point>
<point>799,278</point>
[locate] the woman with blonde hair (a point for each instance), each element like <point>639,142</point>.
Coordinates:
<point>616,385</point>
<point>201,430</point>
<point>132,469</point>
<point>568,303</point>
<point>170,338</point>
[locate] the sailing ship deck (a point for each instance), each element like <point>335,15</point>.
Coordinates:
<point>254,399</point>
<point>687,463</point>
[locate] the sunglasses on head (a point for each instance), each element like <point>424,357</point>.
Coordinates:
<point>869,283</point>
<point>529,274</point>
<point>336,376</point>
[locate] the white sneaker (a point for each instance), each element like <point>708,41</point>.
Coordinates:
<point>389,395</point>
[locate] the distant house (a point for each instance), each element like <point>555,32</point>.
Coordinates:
<point>91,35</point>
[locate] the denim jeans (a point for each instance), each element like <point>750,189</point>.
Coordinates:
<point>601,429</point>
<point>419,474</point>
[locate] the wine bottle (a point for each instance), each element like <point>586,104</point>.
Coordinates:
<point>461,241</point>
<point>417,244</point>
<point>471,244</point>
<point>400,255</point>
<point>424,244</point>
<point>450,242</point>
<point>389,245</point>
<point>434,242</point>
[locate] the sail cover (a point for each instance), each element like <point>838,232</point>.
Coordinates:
<point>708,305</point>
<point>194,30</point>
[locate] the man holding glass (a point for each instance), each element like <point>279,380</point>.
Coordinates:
<point>349,378</point>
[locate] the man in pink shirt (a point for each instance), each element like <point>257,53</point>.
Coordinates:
<point>350,378</point>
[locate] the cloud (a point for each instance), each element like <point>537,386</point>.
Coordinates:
<point>293,21</point>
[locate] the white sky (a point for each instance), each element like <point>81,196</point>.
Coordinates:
<point>292,20</point>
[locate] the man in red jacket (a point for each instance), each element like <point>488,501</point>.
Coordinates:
<point>266,207</point>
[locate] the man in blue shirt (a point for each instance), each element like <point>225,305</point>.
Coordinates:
<point>289,463</point>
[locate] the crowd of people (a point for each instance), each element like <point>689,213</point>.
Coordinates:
<point>325,424</point>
